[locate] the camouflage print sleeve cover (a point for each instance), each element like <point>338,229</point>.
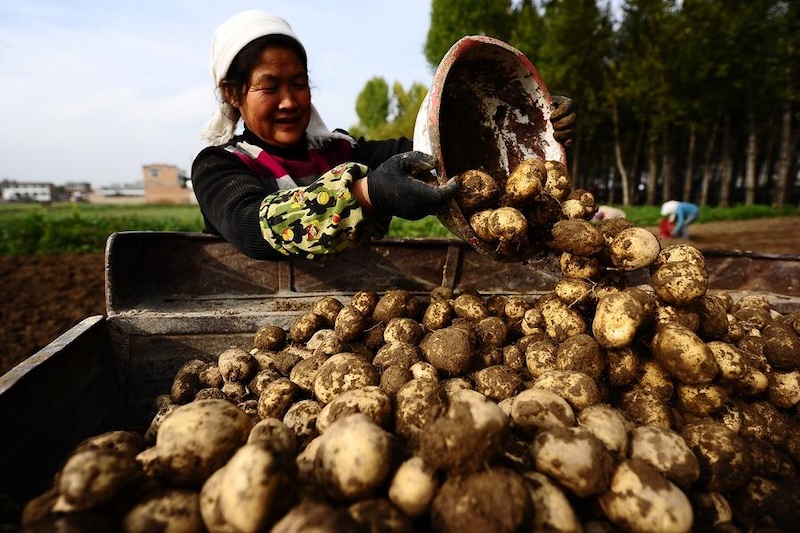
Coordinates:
<point>320,219</point>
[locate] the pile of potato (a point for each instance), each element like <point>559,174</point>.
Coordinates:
<point>596,407</point>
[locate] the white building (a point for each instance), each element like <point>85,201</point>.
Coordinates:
<point>15,191</point>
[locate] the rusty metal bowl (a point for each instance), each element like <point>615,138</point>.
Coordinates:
<point>488,109</point>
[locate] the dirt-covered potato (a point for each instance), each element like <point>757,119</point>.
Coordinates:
<point>575,292</point>
<point>576,387</point>
<point>236,364</point>
<point>403,329</point>
<point>559,182</point>
<point>349,323</point>
<point>167,509</point>
<point>634,248</point>
<point>353,458</point>
<point>608,424</point>
<point>581,352</point>
<point>413,487</point>
<point>496,499</point>
<point>507,224</point>
<point>724,458</point>
<point>526,181</point>
<point>478,190</point>
<point>684,355</point>
<point>618,317</point>
<point>679,283</point>
<point>577,237</point>
<point>579,267</point>
<point>622,367</point>
<point>465,437</point>
<point>270,338</point>
<point>371,401</point>
<point>552,509</point>
<point>666,451</point>
<point>575,458</point>
<point>646,407</point>
<point>641,499</point>
<point>379,514</point>
<point>277,397</point>
<point>479,222</point>
<point>342,372</point>
<point>540,357</point>
<point>497,382</point>
<point>534,409</point>
<point>438,314</point>
<point>449,350</point>
<point>702,399</point>
<point>560,320</point>
<point>195,440</point>
<point>275,435</point>
<point>305,325</point>
<point>393,304</point>
<point>95,477</point>
<point>187,382</point>
<point>417,404</point>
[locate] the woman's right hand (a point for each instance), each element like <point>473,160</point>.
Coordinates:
<point>403,187</point>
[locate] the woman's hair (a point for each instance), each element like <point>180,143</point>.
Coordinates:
<point>238,75</point>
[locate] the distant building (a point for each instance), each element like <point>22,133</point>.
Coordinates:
<point>167,184</point>
<point>125,190</point>
<point>17,191</point>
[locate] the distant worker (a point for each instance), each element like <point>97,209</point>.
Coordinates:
<point>681,215</point>
<point>607,212</point>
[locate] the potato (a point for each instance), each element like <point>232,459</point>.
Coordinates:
<point>328,308</point>
<point>413,487</point>
<point>277,397</point>
<point>301,418</point>
<point>641,499</point>
<point>666,451</point>
<point>353,457</point>
<point>782,346</point>
<point>703,399</point>
<point>534,409</point>
<point>256,488</point>
<point>304,373</point>
<point>449,350</point>
<point>417,404</point>
<point>379,514</point>
<point>270,338</point>
<point>679,283</point>
<point>317,516</point>
<point>403,354</point>
<point>479,222</point>
<point>576,387</point>
<point>675,253</point>
<point>273,434</point>
<point>478,190</point>
<point>634,248</point>
<point>342,372</point>
<point>560,320</point>
<point>725,462</point>
<point>468,435</point>
<point>575,458</point>
<point>622,367</point>
<point>187,382</point>
<point>167,509</point>
<point>507,224</point>
<point>581,352</point>
<point>575,292</point>
<point>497,382</point>
<point>559,182</point>
<point>370,400</point>
<point>349,323</point>
<point>437,315</point>
<point>326,342</point>
<point>608,424</point>
<point>393,304</point>
<point>525,181</point>
<point>403,329</point>
<point>424,370</point>
<point>195,440</point>
<point>496,499</point>
<point>95,477</point>
<point>304,326</point>
<point>579,267</point>
<point>684,355</point>
<point>552,510</point>
<point>784,388</point>
<point>577,237</point>
<point>470,306</point>
<point>731,361</point>
<point>645,407</point>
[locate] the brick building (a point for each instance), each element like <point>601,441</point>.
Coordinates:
<point>166,184</point>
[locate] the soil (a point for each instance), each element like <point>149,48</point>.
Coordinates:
<point>44,296</point>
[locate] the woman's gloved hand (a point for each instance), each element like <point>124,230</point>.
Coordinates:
<point>396,187</point>
<point>562,115</point>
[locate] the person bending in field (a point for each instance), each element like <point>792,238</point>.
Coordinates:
<point>680,215</point>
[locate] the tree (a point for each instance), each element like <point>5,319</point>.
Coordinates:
<point>453,19</point>
<point>385,116</point>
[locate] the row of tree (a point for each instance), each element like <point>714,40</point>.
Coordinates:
<point>693,100</point>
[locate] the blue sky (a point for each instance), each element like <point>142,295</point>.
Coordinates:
<point>91,91</point>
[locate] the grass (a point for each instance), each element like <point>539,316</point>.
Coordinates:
<point>83,228</point>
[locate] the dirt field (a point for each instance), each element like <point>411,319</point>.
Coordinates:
<point>45,296</point>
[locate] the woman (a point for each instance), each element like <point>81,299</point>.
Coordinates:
<point>287,186</point>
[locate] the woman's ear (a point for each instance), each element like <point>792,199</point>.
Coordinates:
<point>229,95</point>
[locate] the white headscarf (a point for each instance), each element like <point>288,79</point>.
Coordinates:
<point>228,40</point>
<point>669,208</point>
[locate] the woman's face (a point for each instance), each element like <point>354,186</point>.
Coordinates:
<point>277,103</point>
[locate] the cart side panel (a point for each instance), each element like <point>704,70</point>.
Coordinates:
<point>52,401</point>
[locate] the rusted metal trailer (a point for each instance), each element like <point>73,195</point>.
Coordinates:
<point>176,296</point>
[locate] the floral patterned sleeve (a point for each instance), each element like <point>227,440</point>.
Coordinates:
<point>320,219</point>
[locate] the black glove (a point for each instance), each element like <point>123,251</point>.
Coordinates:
<point>395,187</point>
<point>562,115</point>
